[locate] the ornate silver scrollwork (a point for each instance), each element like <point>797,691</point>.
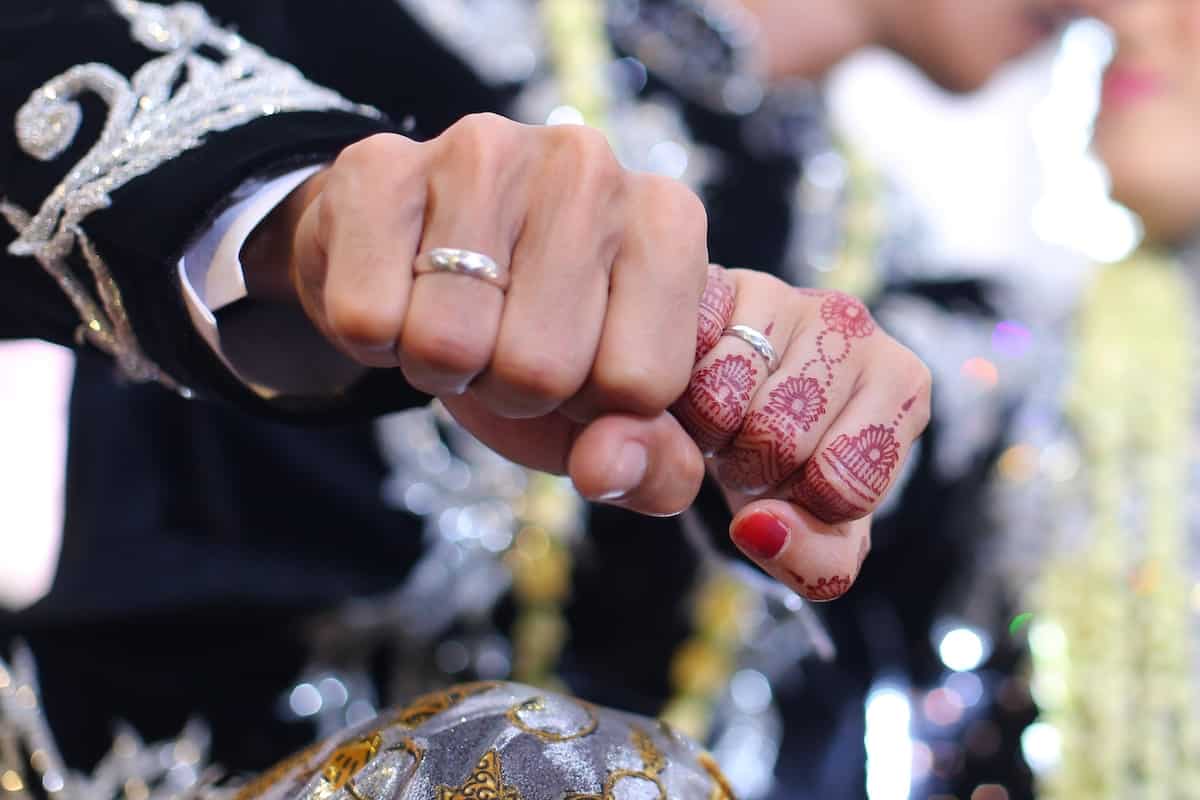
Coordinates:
<point>167,108</point>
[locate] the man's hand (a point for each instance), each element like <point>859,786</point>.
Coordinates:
<point>607,267</point>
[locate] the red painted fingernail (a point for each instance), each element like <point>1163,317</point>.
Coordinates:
<point>761,535</point>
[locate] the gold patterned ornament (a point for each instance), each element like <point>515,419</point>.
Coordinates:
<point>654,761</point>
<point>485,783</point>
<point>428,706</point>
<point>349,759</point>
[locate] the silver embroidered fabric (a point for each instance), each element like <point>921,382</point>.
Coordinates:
<point>169,105</point>
<point>32,766</point>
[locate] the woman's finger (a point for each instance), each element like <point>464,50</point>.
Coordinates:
<point>819,561</point>
<point>726,379</point>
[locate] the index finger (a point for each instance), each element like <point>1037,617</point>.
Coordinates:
<point>363,232</point>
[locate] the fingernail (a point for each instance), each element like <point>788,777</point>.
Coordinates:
<point>760,535</point>
<point>627,471</point>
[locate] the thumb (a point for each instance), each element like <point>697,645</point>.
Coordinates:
<point>819,561</point>
<point>649,465</point>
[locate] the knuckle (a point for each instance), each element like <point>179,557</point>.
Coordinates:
<point>446,351</point>
<point>592,161</point>
<point>359,320</point>
<point>369,153</point>
<point>537,376</point>
<point>675,201</point>
<point>831,500</point>
<point>479,145</point>
<point>482,127</point>
<point>632,385</point>
<point>479,140</point>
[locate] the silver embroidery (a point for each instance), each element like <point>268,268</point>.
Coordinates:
<point>168,107</point>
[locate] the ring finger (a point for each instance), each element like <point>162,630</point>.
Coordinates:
<point>453,319</point>
<point>724,381</point>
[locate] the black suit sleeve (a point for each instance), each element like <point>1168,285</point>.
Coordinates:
<point>149,219</point>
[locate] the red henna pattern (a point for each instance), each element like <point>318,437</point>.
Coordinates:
<point>716,401</point>
<point>823,501</point>
<point>903,412</point>
<point>800,400</point>
<point>847,315</point>
<point>716,309</point>
<point>766,452</point>
<point>825,589</point>
<point>865,462</point>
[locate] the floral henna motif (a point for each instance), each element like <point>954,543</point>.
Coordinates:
<point>765,451</point>
<point>847,315</point>
<point>716,401</point>
<point>716,309</point>
<point>798,402</point>
<point>824,589</point>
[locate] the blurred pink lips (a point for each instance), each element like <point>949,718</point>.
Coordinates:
<point>1124,85</point>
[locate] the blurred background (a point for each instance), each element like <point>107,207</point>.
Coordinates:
<point>1005,186</point>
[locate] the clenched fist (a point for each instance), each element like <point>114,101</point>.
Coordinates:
<point>602,345</point>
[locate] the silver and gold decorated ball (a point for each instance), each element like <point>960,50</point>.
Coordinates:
<point>497,741</point>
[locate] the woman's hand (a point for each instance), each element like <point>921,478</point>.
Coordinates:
<point>807,452</point>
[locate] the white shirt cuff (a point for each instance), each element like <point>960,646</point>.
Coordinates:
<point>210,272</point>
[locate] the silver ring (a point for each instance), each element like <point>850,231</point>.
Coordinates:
<point>758,341</point>
<point>462,262</point>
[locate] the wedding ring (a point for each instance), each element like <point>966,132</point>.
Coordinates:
<point>462,262</point>
<point>758,342</point>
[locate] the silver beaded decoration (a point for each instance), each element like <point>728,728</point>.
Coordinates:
<point>167,108</point>
<point>31,765</point>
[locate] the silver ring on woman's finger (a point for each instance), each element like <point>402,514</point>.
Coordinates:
<point>462,262</point>
<point>758,342</point>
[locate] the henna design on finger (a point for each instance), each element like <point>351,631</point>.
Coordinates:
<point>766,448</point>
<point>716,310</point>
<point>904,409</point>
<point>766,451</point>
<point>863,463</point>
<point>716,400</point>
<point>823,501</point>
<point>823,589</point>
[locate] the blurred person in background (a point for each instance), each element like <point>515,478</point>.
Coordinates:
<point>1095,561</point>
<point>193,598</point>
